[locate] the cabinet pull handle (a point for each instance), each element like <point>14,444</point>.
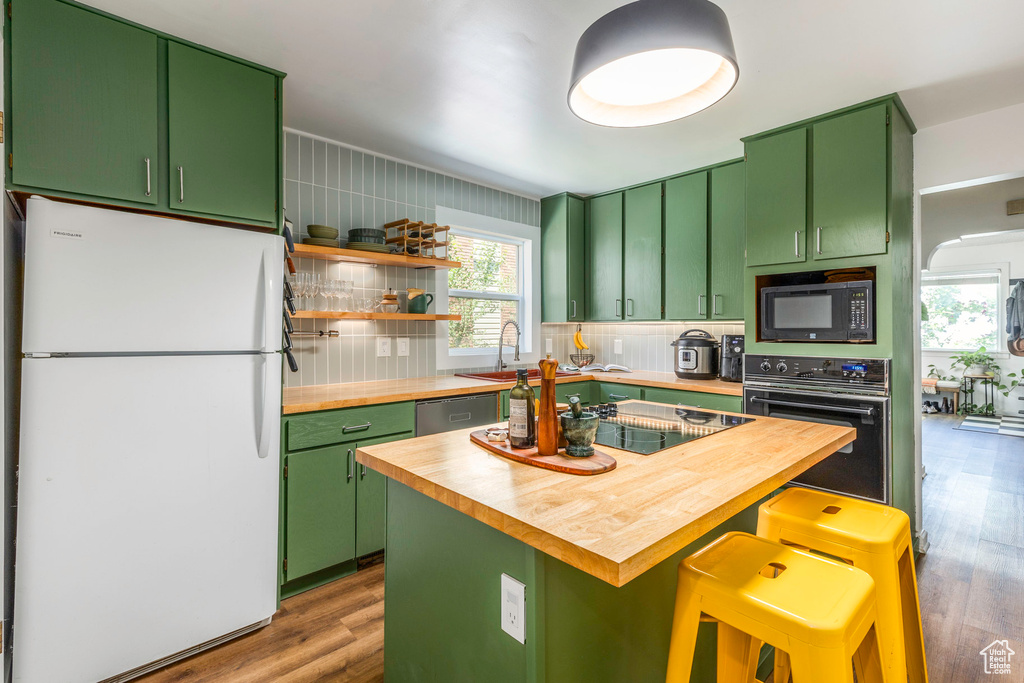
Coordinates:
<point>149,185</point>
<point>629,308</point>
<point>796,243</point>
<point>356,428</point>
<point>617,397</point>
<point>362,472</point>
<point>574,309</point>
<point>819,238</point>
<point>351,465</point>
<point>618,305</point>
<point>181,185</point>
<point>700,303</point>
<point>714,303</point>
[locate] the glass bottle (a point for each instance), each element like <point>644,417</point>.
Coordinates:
<point>522,427</point>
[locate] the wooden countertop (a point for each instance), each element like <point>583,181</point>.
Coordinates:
<point>331,396</point>
<point>618,524</point>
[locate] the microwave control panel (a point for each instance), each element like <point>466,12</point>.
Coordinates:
<point>860,313</point>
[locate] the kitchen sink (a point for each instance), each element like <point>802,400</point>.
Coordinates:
<point>510,375</point>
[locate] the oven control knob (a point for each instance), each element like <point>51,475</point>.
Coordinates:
<point>782,367</point>
<point>766,366</point>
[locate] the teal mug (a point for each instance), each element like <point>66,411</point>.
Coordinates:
<point>419,304</point>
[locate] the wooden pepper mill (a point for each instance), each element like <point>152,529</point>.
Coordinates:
<point>547,419</point>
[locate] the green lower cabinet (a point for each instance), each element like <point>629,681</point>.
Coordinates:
<point>697,399</point>
<point>320,509</point>
<point>613,393</point>
<point>582,390</point>
<point>372,502</point>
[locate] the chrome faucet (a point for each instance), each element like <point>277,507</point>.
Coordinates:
<point>501,336</point>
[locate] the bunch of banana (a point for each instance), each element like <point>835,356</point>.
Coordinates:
<point>577,340</point>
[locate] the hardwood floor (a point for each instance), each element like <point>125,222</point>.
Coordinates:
<point>971,581</point>
<point>332,633</point>
<point>971,584</point>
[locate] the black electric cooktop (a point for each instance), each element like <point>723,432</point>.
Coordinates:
<point>647,428</point>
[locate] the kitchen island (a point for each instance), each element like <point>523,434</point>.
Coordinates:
<point>598,554</point>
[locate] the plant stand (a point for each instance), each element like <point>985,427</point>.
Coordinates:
<point>988,394</point>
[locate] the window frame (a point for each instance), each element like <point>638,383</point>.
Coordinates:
<point>1002,271</point>
<point>499,230</point>
<point>520,245</point>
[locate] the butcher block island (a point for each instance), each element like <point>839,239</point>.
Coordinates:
<point>597,555</point>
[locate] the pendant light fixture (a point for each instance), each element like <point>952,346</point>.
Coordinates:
<point>652,61</point>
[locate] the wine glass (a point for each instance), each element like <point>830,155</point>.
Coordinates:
<point>299,289</point>
<point>348,302</point>
<point>316,284</point>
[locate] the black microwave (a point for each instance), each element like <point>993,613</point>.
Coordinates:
<point>836,311</point>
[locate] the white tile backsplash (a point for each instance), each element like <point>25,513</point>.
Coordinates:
<point>330,183</point>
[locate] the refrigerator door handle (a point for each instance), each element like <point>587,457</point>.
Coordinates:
<point>264,413</point>
<point>268,300</point>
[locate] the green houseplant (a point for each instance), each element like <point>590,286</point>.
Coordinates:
<point>978,362</point>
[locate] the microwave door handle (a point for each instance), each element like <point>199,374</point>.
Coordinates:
<point>866,412</point>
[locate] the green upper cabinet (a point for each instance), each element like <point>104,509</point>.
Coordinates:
<point>83,103</point>
<point>642,253</point>
<point>320,507</point>
<point>850,184</point>
<point>686,247</point>
<point>604,257</point>
<point>563,257</point>
<point>105,111</point>
<point>222,120</point>
<point>776,191</point>
<point>727,241</point>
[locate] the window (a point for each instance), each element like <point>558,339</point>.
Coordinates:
<point>487,291</point>
<point>960,310</point>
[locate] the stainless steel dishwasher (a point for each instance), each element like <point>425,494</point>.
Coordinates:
<point>451,414</point>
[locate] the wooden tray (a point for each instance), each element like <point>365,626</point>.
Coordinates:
<point>596,464</point>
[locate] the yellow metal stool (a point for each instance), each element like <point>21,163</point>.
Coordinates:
<point>821,612</point>
<point>869,536</point>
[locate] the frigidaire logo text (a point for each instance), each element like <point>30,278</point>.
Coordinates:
<point>66,233</point>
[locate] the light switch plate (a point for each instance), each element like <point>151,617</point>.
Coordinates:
<point>403,346</point>
<point>549,346</point>
<point>383,346</point>
<point>618,346</point>
<point>513,608</point>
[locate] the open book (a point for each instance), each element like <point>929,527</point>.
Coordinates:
<point>610,367</point>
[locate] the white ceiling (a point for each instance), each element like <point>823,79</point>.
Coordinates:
<point>478,87</point>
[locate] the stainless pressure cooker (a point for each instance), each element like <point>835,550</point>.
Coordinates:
<point>696,355</point>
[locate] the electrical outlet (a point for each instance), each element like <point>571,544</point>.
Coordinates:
<point>383,346</point>
<point>513,608</point>
<point>403,346</point>
<point>549,345</point>
<point>618,346</point>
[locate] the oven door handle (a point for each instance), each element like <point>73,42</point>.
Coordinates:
<point>867,412</point>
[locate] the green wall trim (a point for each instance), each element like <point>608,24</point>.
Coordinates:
<point>893,97</point>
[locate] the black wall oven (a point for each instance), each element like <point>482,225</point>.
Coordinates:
<point>834,311</point>
<point>851,393</point>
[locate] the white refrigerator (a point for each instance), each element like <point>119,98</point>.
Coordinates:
<point>147,508</point>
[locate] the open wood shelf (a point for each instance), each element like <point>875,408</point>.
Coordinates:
<point>371,257</point>
<point>355,315</point>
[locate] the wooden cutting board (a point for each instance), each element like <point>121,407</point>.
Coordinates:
<point>596,464</point>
